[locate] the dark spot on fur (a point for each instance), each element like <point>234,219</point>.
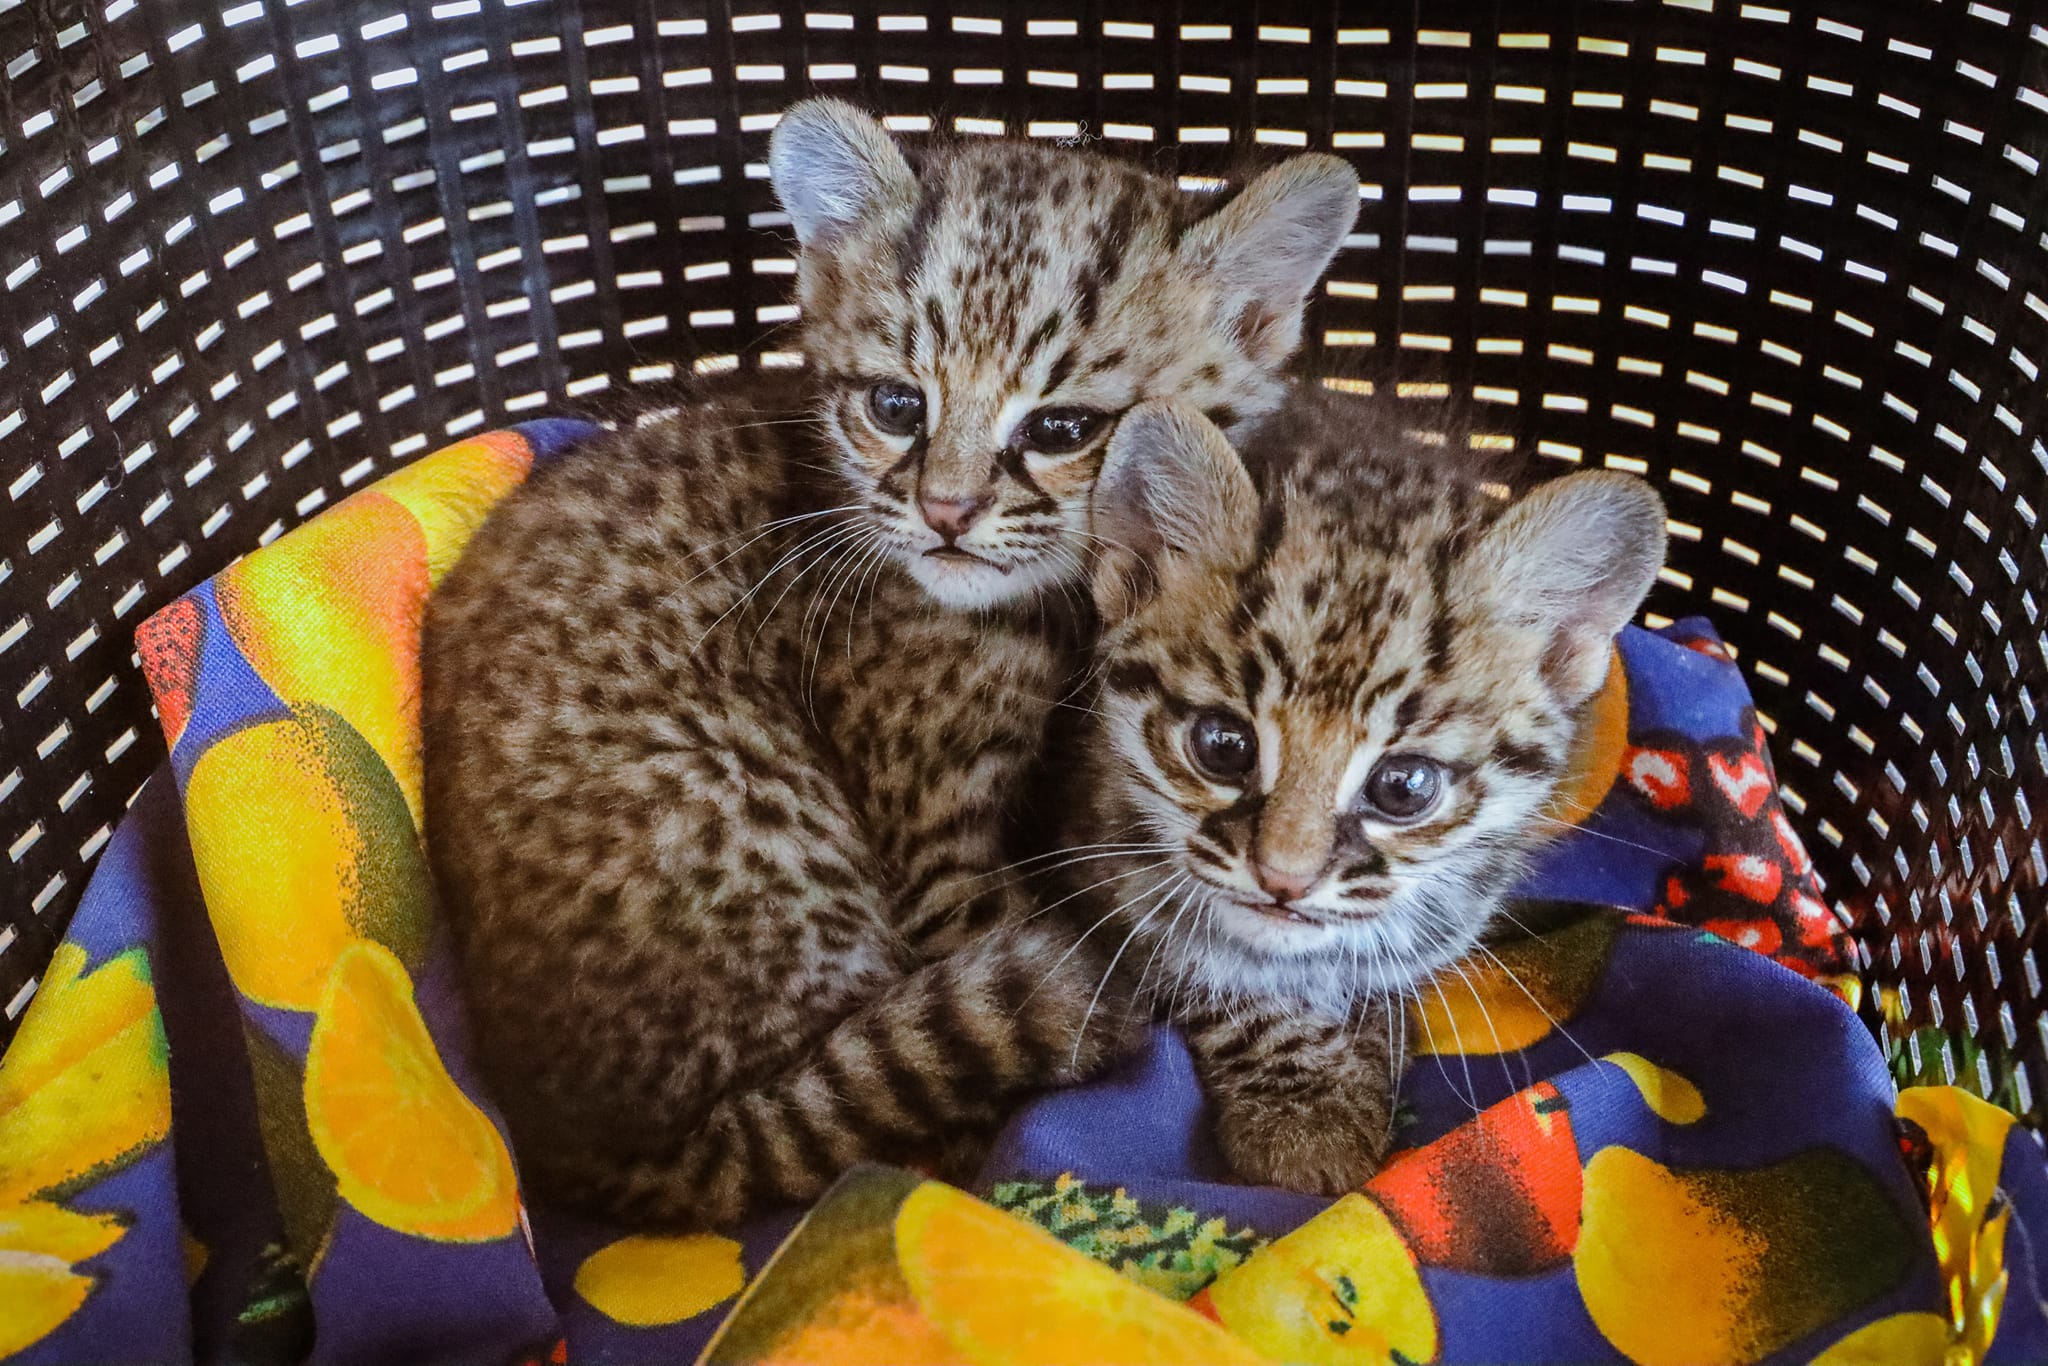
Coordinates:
<point>1045,332</point>
<point>1527,760</point>
<point>1061,369</point>
<point>917,238</point>
<point>1251,676</point>
<point>1133,676</point>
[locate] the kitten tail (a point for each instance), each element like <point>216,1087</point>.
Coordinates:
<point>940,1057</point>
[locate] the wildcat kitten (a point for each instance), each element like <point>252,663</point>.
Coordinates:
<point>695,844</point>
<point>1334,701</point>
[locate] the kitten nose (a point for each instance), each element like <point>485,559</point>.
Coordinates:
<point>1281,884</point>
<point>951,517</point>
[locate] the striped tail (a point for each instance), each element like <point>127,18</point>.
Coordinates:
<point>940,1057</point>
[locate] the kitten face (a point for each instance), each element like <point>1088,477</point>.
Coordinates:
<point>978,327</point>
<point>1343,707</point>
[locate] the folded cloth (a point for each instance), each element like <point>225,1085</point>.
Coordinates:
<point>239,1121</point>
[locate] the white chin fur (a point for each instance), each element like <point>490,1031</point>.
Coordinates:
<point>964,585</point>
<point>1333,963</point>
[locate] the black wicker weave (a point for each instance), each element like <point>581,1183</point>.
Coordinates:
<point>1788,260</point>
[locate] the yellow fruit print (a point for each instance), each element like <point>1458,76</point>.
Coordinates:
<point>1596,757</point>
<point>408,1149</point>
<point>833,1294</point>
<point>854,1330</point>
<point>1514,997</point>
<point>83,1089</point>
<point>1341,1289</point>
<point>1896,1340</point>
<point>647,1281</point>
<point>84,1085</point>
<point>331,614</point>
<point>303,845</point>
<point>1670,1097</point>
<point>1006,1293</point>
<point>449,492</point>
<point>1682,1267</point>
<point>39,1245</point>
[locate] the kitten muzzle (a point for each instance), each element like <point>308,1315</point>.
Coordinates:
<point>959,556</point>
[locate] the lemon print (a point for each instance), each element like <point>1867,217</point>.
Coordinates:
<point>38,1293</point>
<point>1677,1268</point>
<point>832,1294</point>
<point>1596,754</point>
<point>85,1085</point>
<point>407,1147</point>
<point>449,492</point>
<point>303,845</point>
<point>646,1281</point>
<point>1515,998</point>
<point>1008,1294</point>
<point>1898,1340</point>
<point>854,1330</point>
<point>331,614</point>
<point>40,1226</point>
<point>39,1289</point>
<point>1670,1097</point>
<point>1342,1288</point>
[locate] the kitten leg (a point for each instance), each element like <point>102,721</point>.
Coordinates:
<point>936,1059</point>
<point>1302,1100</point>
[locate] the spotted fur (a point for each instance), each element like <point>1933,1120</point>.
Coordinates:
<point>1363,598</point>
<point>716,782</point>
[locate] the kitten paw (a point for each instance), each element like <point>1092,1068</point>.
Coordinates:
<point>1317,1146</point>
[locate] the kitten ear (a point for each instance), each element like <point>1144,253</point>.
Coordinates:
<point>1171,489</point>
<point>833,168</point>
<point>1574,560</point>
<point>1267,248</point>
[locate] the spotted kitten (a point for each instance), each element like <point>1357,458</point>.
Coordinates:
<point>1334,704</point>
<point>710,834</point>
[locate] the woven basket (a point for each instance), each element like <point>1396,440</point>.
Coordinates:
<point>1785,259</point>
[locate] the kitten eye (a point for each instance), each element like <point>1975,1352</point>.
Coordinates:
<point>897,408</point>
<point>1056,431</point>
<point>1403,787</point>
<point>1222,746</point>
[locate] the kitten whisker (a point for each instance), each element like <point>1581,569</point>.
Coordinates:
<point>1114,847</point>
<point>1397,1060</point>
<point>842,573</point>
<point>1153,866</point>
<point>1083,938</point>
<point>877,559</point>
<point>1505,914</point>
<point>1601,835</point>
<point>1470,1095</point>
<point>788,556</point>
<point>1074,1061</point>
<point>1159,942</point>
<point>813,420</point>
<point>765,529</point>
<point>830,552</point>
<point>1543,1010</point>
<point>1499,1048</point>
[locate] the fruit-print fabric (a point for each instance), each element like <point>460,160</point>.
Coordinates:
<point>239,1122</point>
